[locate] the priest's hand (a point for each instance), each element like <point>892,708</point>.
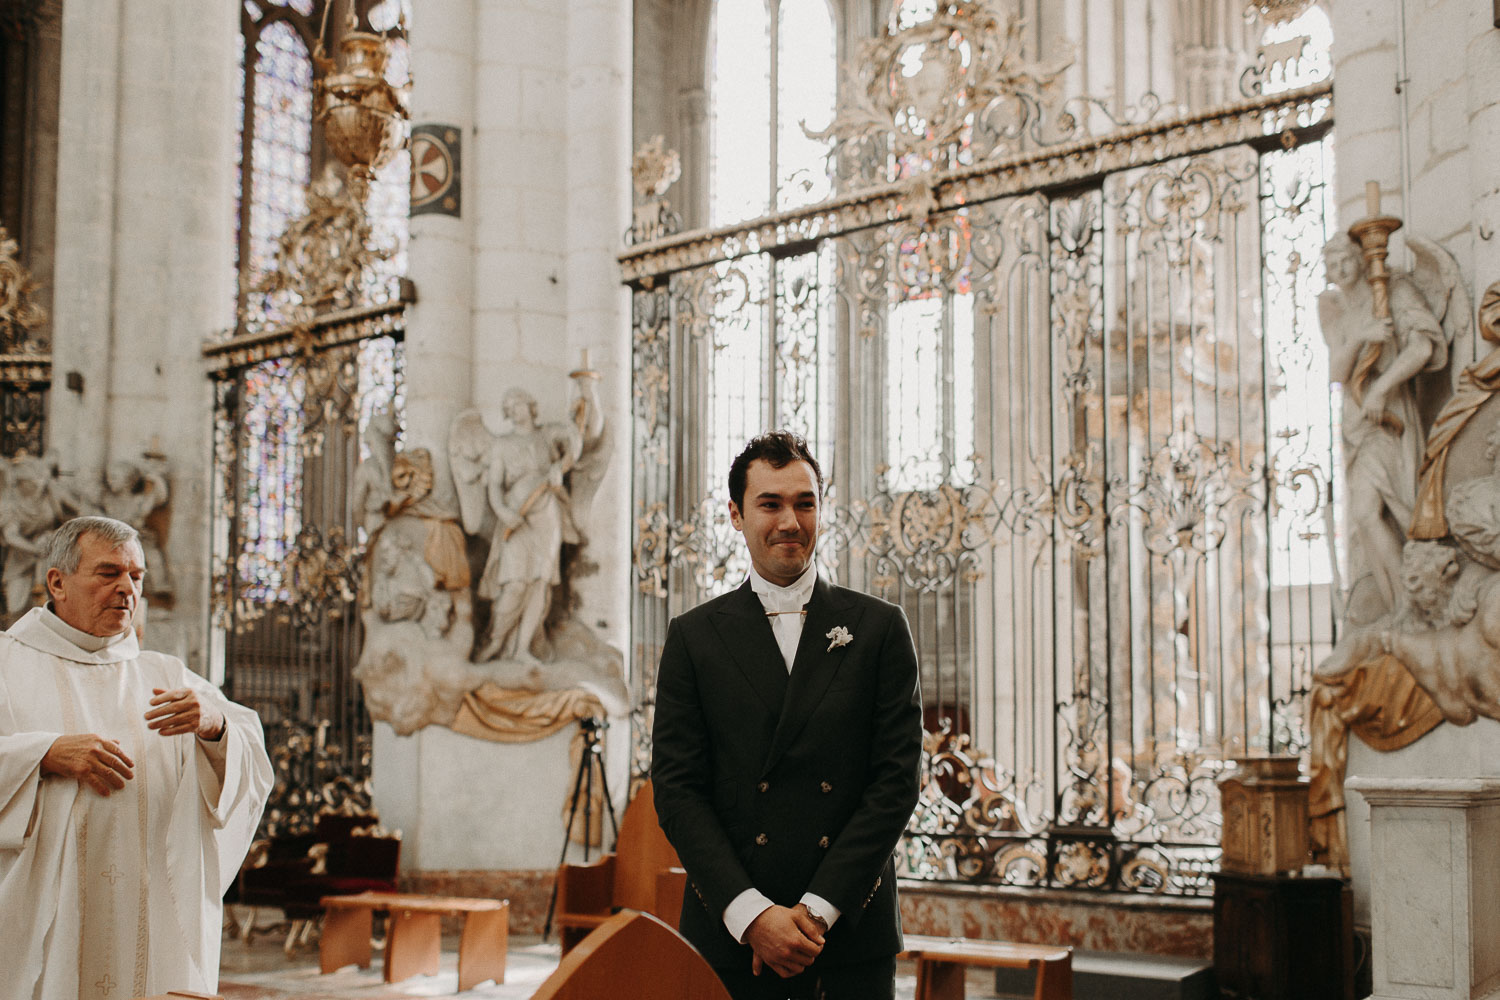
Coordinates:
<point>182,711</point>
<point>786,940</point>
<point>90,760</point>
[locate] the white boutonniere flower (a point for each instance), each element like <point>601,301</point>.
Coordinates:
<point>838,636</point>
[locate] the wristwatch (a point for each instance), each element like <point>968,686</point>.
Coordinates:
<point>817,918</point>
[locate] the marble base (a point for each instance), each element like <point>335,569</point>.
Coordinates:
<point>1434,886</point>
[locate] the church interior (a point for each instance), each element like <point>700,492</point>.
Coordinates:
<point>1149,349</point>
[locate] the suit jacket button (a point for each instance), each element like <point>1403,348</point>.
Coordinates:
<point>826,787</point>
<point>823,842</point>
<point>764,786</point>
<point>762,839</point>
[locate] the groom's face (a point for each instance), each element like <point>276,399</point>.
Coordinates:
<point>779,519</point>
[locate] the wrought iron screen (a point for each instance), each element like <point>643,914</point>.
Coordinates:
<point>287,547</point>
<point>1072,411</point>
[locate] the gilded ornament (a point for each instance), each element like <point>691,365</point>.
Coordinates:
<point>363,116</point>
<point>20,317</point>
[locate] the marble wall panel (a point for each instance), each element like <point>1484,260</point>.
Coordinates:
<point>1098,923</point>
<point>528,892</point>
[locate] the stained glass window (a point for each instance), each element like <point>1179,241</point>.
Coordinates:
<point>270,509</point>
<point>279,146</point>
<point>390,193</point>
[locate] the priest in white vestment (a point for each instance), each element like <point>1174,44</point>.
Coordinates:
<point>130,789</point>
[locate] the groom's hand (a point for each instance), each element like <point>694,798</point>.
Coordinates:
<point>785,939</point>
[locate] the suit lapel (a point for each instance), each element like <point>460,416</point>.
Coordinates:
<point>815,665</point>
<point>746,632</point>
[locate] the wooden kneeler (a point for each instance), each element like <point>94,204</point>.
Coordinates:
<point>642,873</point>
<point>633,956</point>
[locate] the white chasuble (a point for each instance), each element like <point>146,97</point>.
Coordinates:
<point>120,896</point>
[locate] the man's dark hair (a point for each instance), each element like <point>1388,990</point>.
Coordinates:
<point>779,449</point>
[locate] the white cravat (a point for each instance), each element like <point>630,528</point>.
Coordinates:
<point>85,641</point>
<point>783,605</point>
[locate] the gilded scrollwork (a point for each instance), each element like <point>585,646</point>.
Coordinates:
<point>323,263</point>
<point>22,319</point>
<point>1307,109</point>
<point>324,572</point>
<point>653,169</point>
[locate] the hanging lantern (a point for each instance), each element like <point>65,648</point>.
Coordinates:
<point>363,116</point>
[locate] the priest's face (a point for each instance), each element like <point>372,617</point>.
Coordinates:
<point>100,596</point>
<point>780,519</point>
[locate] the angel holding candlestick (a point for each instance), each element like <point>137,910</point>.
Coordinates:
<point>1379,360</point>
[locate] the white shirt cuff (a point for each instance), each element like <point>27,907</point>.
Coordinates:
<point>742,911</point>
<point>821,907</point>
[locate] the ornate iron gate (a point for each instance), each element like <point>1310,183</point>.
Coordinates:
<point>1071,406</point>
<point>287,547</point>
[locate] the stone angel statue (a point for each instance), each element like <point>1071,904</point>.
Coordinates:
<point>28,514</point>
<point>1385,365</point>
<point>513,489</point>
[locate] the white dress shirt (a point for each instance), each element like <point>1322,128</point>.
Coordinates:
<point>783,605</point>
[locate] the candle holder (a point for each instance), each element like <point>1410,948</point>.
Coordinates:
<point>1373,234</point>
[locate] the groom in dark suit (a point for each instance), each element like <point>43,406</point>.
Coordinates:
<point>786,750</point>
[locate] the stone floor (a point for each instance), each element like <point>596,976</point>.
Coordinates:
<point>261,971</point>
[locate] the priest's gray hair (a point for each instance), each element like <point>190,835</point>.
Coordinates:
<point>64,549</point>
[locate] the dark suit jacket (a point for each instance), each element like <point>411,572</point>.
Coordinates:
<point>789,783</point>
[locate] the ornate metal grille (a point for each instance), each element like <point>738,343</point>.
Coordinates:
<point>287,548</point>
<point>1074,422</point>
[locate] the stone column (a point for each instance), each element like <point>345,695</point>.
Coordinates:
<point>510,296</point>
<point>1436,890</point>
<point>144,259</point>
<point>439,354</point>
<point>1416,106</point>
<point>88,113</point>
<point>439,326</point>
<point>598,306</point>
<point>1481,59</point>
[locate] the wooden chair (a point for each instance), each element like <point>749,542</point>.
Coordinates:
<point>642,874</point>
<point>633,956</point>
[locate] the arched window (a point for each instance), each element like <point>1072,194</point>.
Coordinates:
<point>772,71</point>
<point>274,148</point>
<point>278,147</point>
<point>772,76</point>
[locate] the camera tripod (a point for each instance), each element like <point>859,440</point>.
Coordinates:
<point>589,761</point>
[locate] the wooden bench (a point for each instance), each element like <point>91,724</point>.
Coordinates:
<point>942,963</point>
<point>413,938</point>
